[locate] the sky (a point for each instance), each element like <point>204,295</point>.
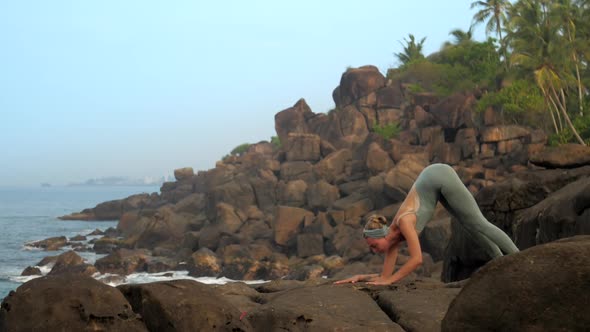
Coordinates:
<point>136,88</point>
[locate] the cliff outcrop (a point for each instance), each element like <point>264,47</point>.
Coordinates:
<point>290,211</point>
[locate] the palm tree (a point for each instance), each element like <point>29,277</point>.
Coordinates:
<point>494,11</point>
<point>412,50</point>
<point>569,15</point>
<point>461,37</point>
<point>538,47</point>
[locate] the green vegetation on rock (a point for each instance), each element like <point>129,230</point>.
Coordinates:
<point>388,131</point>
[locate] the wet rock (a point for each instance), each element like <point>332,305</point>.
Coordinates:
<point>71,263</point>
<point>50,244</point>
<point>123,261</point>
<point>204,263</point>
<point>78,238</point>
<point>31,271</point>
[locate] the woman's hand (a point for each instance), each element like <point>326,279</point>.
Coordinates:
<point>379,281</point>
<point>353,279</point>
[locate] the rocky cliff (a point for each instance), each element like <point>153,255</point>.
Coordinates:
<point>296,211</point>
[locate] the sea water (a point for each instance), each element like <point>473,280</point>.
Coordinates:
<point>29,214</point>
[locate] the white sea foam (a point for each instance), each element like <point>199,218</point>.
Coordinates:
<point>46,268</point>
<point>144,277</point>
<point>28,247</point>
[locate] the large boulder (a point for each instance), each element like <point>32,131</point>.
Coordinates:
<point>288,222</point>
<point>390,96</point>
<point>563,156</point>
<point>418,305</point>
<point>353,127</point>
<point>502,202</point>
<point>504,133</point>
<point>194,204</point>
<point>399,179</point>
<point>238,191</point>
<point>303,147</point>
<point>292,193</point>
<point>50,244</point>
<point>354,206</point>
<point>296,170</point>
<point>165,228</point>
<point>332,167</point>
<point>204,263</point>
<point>184,173</point>
<point>543,288</point>
<point>356,83</point>
<point>123,262</point>
<point>378,160</point>
<point>67,303</point>
<point>292,120</point>
<point>70,262</point>
<point>348,242</point>
<point>228,218</point>
<point>112,210</point>
<point>321,308</point>
<point>183,305</point>
<point>321,195</point>
<point>454,112</point>
<point>435,237</point>
<point>563,213</point>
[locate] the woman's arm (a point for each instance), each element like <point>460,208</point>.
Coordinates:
<point>389,262</point>
<point>408,230</point>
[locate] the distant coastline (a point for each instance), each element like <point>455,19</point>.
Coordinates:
<point>122,181</point>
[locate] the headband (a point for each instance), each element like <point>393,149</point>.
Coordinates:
<point>376,233</point>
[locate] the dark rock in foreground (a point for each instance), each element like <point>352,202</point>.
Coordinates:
<point>183,305</point>
<point>417,306</point>
<point>544,288</point>
<point>322,308</point>
<point>67,303</point>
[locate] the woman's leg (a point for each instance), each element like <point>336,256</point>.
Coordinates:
<point>442,180</point>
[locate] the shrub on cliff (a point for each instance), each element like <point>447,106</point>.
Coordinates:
<point>240,149</point>
<point>520,102</point>
<point>388,131</point>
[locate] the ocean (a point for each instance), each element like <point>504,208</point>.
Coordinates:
<point>29,214</point>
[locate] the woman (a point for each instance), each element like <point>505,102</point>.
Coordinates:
<point>436,183</point>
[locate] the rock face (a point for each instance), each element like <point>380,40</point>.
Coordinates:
<point>321,308</point>
<point>272,210</point>
<point>565,156</point>
<point>183,305</point>
<point>543,288</point>
<point>417,306</point>
<point>64,303</point>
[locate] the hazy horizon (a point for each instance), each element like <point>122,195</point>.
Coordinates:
<point>139,88</point>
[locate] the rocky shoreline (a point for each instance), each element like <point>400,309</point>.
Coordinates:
<point>541,288</point>
<point>293,214</point>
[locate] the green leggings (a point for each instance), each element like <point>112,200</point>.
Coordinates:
<point>439,182</point>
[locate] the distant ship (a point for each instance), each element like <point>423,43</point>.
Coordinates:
<point>45,185</point>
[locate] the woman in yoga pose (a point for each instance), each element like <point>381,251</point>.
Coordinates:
<point>436,183</point>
